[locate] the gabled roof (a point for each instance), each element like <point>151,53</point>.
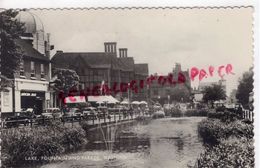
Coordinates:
<point>29,51</point>
<point>141,69</point>
<point>92,60</point>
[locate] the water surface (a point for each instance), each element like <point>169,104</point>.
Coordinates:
<point>161,143</point>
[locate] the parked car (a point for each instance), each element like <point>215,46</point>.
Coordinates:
<point>72,115</point>
<point>103,112</point>
<point>48,115</point>
<point>19,118</point>
<point>90,113</point>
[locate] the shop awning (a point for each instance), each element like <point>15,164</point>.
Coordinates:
<point>102,99</point>
<point>75,99</point>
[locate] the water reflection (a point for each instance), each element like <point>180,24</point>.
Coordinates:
<point>167,143</point>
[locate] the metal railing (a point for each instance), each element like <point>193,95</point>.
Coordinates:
<point>91,119</point>
<point>248,114</point>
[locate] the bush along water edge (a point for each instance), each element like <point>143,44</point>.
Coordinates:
<point>32,145</point>
<point>228,141</point>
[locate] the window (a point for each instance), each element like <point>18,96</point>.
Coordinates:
<point>32,70</point>
<point>42,72</point>
<point>22,69</point>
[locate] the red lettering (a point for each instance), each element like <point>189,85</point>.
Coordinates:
<point>170,78</point>
<point>194,72</point>
<point>229,69</point>
<point>123,87</point>
<point>105,89</point>
<point>115,90</point>
<point>141,84</point>
<point>203,74</point>
<point>220,71</point>
<point>96,90</point>
<point>181,78</point>
<point>161,80</point>
<point>150,79</point>
<point>133,86</point>
<point>211,70</point>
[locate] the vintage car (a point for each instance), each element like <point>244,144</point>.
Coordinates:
<point>90,113</point>
<point>54,113</point>
<point>73,114</point>
<point>18,118</point>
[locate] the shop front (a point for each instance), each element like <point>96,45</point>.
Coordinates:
<point>31,94</point>
<point>33,100</point>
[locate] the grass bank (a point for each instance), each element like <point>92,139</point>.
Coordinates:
<point>33,145</point>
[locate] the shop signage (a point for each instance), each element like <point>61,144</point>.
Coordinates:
<point>28,94</point>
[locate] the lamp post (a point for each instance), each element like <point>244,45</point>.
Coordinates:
<point>128,89</point>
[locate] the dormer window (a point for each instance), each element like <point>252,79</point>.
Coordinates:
<point>33,70</point>
<point>42,72</point>
<point>22,75</point>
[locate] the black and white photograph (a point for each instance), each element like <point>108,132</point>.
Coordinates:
<point>127,88</point>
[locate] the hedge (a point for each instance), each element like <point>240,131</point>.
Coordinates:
<point>20,145</point>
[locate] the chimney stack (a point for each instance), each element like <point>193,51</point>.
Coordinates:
<point>110,47</point>
<point>122,52</point>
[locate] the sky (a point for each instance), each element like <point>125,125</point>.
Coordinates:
<point>160,37</point>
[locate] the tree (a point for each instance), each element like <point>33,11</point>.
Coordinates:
<point>66,79</point>
<point>11,53</point>
<point>180,93</point>
<point>213,93</point>
<point>244,88</point>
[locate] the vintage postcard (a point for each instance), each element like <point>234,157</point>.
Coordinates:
<point>127,87</point>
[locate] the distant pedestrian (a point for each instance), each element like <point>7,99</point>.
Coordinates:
<point>240,111</point>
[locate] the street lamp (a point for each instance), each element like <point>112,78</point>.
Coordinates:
<point>128,95</point>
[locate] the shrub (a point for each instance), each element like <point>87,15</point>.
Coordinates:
<point>197,112</point>
<point>85,126</point>
<point>213,130</point>
<point>224,116</point>
<point>175,112</point>
<point>233,152</point>
<point>38,142</point>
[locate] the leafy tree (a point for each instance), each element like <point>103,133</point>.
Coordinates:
<point>11,54</point>
<point>180,93</point>
<point>66,80</point>
<point>213,93</point>
<point>245,87</point>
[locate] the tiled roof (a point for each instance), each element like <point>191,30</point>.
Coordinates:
<point>91,59</point>
<point>141,69</point>
<point>29,51</point>
<point>127,63</point>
